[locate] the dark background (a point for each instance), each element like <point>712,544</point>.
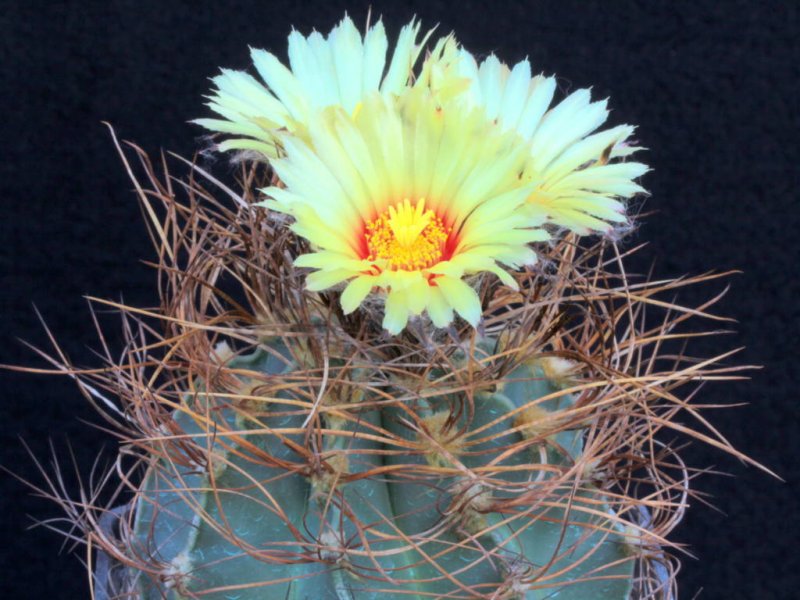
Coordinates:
<point>713,86</point>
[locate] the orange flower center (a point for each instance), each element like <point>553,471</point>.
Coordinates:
<point>409,237</point>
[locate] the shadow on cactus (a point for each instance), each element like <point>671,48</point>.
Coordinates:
<point>436,410</point>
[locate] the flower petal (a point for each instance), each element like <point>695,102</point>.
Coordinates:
<point>440,312</point>
<point>322,280</point>
<point>355,292</point>
<point>461,297</point>
<point>396,315</point>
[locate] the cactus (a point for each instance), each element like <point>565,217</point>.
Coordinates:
<point>288,450</point>
<point>369,378</point>
<point>427,528</point>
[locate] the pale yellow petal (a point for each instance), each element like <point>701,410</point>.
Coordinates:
<point>355,292</point>
<point>396,315</point>
<point>440,312</point>
<point>461,297</point>
<point>322,280</point>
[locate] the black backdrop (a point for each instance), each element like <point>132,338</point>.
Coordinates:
<point>713,86</point>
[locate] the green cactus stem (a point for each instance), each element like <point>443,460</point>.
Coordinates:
<point>414,500</point>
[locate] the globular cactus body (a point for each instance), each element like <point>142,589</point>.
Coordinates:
<point>429,496</point>
<point>400,418</point>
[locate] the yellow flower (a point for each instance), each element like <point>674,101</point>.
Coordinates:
<point>339,70</point>
<point>578,177</point>
<point>407,198</point>
<point>406,183</point>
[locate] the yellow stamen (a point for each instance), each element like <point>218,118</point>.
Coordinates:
<point>409,237</point>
